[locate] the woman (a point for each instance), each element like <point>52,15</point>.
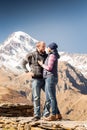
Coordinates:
<point>51,78</point>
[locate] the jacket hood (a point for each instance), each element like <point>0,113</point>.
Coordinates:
<point>55,52</point>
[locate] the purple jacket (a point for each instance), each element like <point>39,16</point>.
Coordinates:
<point>51,65</point>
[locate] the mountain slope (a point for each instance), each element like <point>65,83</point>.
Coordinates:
<point>71,78</point>
<point>79,61</point>
<point>11,88</point>
<point>15,48</point>
<point>71,96</point>
<point>71,92</point>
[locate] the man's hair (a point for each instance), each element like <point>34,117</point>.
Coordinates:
<point>39,43</point>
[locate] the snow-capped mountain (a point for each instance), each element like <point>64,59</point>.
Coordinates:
<point>15,48</point>
<point>18,44</point>
<point>79,61</point>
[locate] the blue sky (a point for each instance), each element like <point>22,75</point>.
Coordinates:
<point>60,21</point>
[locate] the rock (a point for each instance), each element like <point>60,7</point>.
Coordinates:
<point>25,123</point>
<point>16,110</point>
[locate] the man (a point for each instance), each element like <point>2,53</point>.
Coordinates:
<point>37,75</point>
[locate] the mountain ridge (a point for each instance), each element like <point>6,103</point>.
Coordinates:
<point>18,44</point>
<point>72,84</point>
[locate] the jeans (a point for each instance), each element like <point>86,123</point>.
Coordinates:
<point>46,110</point>
<point>50,90</point>
<point>37,85</point>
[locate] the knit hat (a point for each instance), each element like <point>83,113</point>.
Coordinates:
<point>53,46</point>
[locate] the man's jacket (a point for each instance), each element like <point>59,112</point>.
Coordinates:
<point>32,59</point>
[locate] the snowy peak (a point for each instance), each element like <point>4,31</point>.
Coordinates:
<point>18,42</point>
<point>20,37</point>
<point>15,47</point>
<point>79,61</point>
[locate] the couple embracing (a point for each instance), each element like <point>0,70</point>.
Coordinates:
<point>44,76</point>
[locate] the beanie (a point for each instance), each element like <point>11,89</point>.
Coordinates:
<point>53,46</point>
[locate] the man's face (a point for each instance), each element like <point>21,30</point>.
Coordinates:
<point>42,47</point>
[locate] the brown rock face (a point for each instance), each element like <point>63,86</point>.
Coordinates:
<point>16,110</point>
<point>14,95</point>
<point>71,78</point>
<point>71,91</point>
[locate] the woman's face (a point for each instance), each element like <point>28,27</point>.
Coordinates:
<point>48,50</point>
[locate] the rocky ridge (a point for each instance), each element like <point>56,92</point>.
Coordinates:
<point>25,123</point>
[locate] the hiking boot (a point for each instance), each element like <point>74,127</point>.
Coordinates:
<point>50,118</point>
<point>43,117</point>
<point>36,118</point>
<point>58,117</point>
